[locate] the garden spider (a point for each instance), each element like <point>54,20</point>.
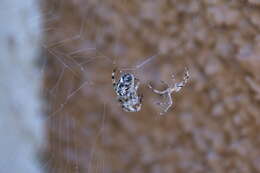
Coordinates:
<point>126,90</point>
<point>127,85</point>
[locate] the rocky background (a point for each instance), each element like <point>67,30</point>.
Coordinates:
<point>214,123</point>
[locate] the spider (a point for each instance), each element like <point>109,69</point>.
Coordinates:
<point>170,89</point>
<point>126,90</point>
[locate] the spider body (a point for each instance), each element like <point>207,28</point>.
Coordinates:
<point>126,90</point>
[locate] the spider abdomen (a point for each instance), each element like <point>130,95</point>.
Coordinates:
<point>126,90</point>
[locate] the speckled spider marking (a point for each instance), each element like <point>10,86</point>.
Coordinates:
<point>168,91</point>
<point>126,90</point>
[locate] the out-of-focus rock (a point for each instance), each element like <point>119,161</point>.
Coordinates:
<point>254,2</point>
<point>21,123</point>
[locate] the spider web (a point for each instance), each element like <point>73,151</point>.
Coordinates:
<point>78,90</point>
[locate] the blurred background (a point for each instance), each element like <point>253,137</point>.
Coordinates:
<point>214,122</point>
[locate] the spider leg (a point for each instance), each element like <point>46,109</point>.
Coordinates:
<point>156,91</point>
<point>141,98</point>
<point>113,77</point>
<point>166,106</point>
<point>178,86</point>
<point>163,107</point>
<point>125,108</point>
<point>119,100</point>
<point>137,83</point>
<point>186,75</point>
<point>170,102</point>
